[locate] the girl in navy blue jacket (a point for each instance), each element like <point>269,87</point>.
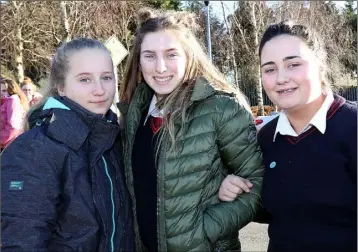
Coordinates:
<point>62,185</point>
<point>310,151</point>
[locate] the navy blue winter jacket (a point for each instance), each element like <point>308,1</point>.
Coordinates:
<point>62,184</point>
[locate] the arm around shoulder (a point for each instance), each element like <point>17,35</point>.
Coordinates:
<point>241,154</point>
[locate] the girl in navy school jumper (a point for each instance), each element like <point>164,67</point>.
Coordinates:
<point>310,151</point>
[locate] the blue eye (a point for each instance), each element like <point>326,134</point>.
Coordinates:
<point>173,55</point>
<point>85,80</point>
<point>293,65</point>
<point>107,78</point>
<point>149,56</point>
<point>269,70</point>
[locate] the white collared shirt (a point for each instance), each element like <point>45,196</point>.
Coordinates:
<point>319,120</point>
<point>153,110</point>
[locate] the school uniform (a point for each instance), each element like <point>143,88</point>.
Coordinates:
<point>145,180</point>
<point>310,180</point>
<point>174,190</point>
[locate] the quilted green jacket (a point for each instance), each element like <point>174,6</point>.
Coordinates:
<point>219,139</point>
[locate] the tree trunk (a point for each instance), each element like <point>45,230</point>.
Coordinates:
<point>259,95</point>
<point>19,55</point>
<point>64,22</point>
<point>232,48</point>
<point>19,43</point>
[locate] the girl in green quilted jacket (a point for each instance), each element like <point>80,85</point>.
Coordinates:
<point>184,129</point>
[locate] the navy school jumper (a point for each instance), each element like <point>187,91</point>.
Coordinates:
<point>310,184</point>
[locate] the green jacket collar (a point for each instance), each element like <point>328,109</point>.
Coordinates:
<point>141,95</point>
<point>202,90</point>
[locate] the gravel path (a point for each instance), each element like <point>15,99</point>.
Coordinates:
<point>254,238</point>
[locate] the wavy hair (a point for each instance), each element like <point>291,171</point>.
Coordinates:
<point>183,25</point>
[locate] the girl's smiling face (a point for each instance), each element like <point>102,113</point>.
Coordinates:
<point>291,73</point>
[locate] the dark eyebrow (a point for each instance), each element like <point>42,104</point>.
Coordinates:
<point>267,63</point>
<point>285,59</point>
<point>290,57</point>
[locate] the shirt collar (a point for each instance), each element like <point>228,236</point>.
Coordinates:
<point>319,120</point>
<point>153,110</point>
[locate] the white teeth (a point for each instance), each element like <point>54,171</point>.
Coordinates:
<point>160,79</point>
<point>287,90</point>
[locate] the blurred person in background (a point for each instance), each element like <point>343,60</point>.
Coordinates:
<point>13,110</point>
<point>29,89</point>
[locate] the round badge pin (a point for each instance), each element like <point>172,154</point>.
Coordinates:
<point>273,165</point>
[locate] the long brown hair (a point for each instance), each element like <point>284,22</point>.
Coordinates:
<point>183,25</point>
<point>14,89</point>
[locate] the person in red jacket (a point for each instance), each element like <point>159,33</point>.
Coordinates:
<point>13,109</point>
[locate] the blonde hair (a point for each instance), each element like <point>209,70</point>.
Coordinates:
<point>14,89</point>
<point>28,81</point>
<point>60,65</point>
<point>183,25</point>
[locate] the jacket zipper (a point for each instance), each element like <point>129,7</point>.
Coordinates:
<point>161,235</point>
<point>95,202</point>
<point>162,241</point>
<point>112,201</point>
<point>122,198</point>
<point>128,177</point>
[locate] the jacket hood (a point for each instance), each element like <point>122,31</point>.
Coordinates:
<point>72,124</point>
<point>52,103</point>
<point>64,103</point>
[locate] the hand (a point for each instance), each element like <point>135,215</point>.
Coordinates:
<point>232,186</point>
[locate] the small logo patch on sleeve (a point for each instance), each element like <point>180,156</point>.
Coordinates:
<point>16,186</point>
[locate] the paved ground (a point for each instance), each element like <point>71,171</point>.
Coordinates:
<point>254,238</point>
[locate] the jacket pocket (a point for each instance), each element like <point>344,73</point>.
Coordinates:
<point>207,243</point>
<point>211,227</point>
